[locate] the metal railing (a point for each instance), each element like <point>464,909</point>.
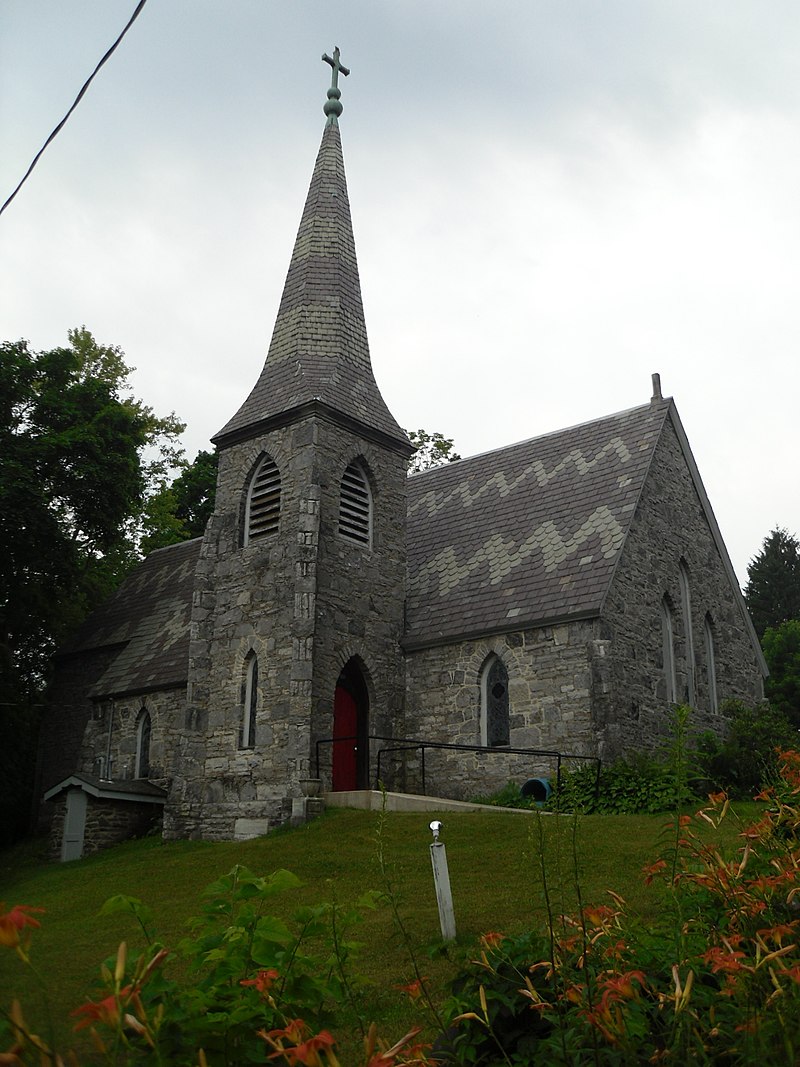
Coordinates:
<point>411,744</point>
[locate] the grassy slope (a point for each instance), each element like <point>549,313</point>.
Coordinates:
<point>495,871</point>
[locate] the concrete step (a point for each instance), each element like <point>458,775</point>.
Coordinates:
<point>372,800</point>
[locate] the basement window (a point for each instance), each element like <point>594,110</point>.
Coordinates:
<point>263,502</point>
<point>355,507</point>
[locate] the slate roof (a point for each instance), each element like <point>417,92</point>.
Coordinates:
<point>148,620</point>
<point>319,352</point>
<point>527,534</point>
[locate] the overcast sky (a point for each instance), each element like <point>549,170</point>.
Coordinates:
<point>551,200</point>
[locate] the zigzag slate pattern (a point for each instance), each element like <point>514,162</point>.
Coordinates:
<point>527,534</point>
<point>148,620</point>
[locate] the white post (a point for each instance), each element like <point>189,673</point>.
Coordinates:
<point>441,881</point>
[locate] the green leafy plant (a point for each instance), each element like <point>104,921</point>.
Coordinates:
<point>255,988</point>
<point>746,758</point>
<point>715,980</point>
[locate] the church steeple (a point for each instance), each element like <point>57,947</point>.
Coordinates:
<point>318,359</point>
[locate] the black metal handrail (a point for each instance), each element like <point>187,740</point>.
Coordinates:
<point>410,744</point>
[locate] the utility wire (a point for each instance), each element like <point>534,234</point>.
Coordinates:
<point>78,99</point>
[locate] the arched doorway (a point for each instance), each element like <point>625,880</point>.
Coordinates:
<point>350,730</point>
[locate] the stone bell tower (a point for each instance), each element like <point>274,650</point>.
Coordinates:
<point>299,592</point>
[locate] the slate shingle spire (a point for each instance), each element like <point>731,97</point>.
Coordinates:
<point>318,359</point>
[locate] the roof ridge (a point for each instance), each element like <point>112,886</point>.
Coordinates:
<point>453,464</point>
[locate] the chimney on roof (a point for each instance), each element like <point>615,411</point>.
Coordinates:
<point>656,389</point>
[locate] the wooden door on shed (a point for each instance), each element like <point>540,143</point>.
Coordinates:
<point>74,826</point>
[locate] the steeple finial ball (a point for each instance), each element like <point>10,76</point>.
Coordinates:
<point>332,106</point>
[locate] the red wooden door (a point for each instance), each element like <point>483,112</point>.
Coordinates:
<point>345,752</point>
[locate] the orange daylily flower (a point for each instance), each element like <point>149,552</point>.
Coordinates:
<point>621,985</point>
<point>777,933</point>
<point>295,1030</point>
<point>412,1054</point>
<point>303,1049</point>
<point>653,869</point>
<point>263,981</point>
<point>104,1011</point>
<point>13,922</point>
<point>308,1052</point>
<point>721,960</point>
<point>413,989</point>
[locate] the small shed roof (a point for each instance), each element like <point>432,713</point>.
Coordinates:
<point>136,790</point>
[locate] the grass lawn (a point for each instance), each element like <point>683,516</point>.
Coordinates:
<point>495,863</point>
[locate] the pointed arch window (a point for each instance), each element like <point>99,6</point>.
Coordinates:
<point>263,509</point>
<point>711,666</point>
<point>495,723</point>
<point>668,649</point>
<point>247,734</point>
<point>143,731</point>
<point>355,506</point>
<point>686,608</point>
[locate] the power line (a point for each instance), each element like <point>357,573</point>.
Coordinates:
<point>77,100</point>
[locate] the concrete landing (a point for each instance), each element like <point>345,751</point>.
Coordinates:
<point>372,800</point>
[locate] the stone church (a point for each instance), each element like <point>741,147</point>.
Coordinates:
<point>340,620</point>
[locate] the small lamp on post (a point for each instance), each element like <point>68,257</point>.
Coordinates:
<point>441,882</point>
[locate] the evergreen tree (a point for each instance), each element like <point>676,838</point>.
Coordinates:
<point>782,652</point>
<point>773,581</point>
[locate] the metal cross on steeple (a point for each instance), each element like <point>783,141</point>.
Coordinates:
<point>336,67</point>
<point>332,106</point>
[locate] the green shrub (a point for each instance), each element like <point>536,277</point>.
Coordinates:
<point>639,785</point>
<point>746,759</point>
<point>507,797</point>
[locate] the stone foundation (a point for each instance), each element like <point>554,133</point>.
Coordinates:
<point>108,822</point>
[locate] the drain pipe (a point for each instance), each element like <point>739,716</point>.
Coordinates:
<point>107,770</point>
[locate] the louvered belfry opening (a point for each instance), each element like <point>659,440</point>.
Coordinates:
<point>355,506</point>
<point>264,501</point>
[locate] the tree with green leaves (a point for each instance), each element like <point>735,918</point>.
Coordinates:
<point>78,458</point>
<point>781,646</point>
<point>772,592</point>
<point>433,450</point>
<point>181,508</point>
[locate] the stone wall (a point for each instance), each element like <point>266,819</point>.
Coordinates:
<point>116,721</point>
<point>108,822</point>
<point>550,674</point>
<point>670,526</point>
<point>304,603</point>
